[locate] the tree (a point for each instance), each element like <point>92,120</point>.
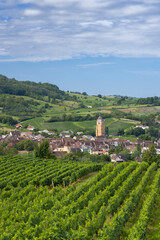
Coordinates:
<point>81,105</point>
<point>119,148</point>
<point>43,150</point>
<point>111,150</point>
<point>105,158</point>
<point>138,131</point>
<point>120,132</point>
<point>145,137</point>
<point>26,144</point>
<point>138,149</point>
<point>99,95</point>
<point>107,130</point>
<point>150,155</point>
<point>153,132</point>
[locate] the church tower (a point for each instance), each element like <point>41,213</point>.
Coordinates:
<point>100,128</point>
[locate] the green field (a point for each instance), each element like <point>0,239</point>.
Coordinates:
<point>92,201</point>
<point>61,107</point>
<point>112,123</point>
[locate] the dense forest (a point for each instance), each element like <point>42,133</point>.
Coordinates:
<point>155,101</point>
<point>41,91</point>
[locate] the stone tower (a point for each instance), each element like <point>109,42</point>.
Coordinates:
<point>100,128</point>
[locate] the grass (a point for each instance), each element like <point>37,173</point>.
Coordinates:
<point>135,216</point>
<point>113,124</point>
<point>75,126</point>
<point>153,231</point>
<point>72,108</point>
<point>5,127</point>
<point>86,179</point>
<point>118,124</point>
<point>36,122</point>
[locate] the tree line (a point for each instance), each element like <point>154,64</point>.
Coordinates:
<point>42,91</point>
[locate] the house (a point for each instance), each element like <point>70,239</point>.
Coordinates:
<point>144,149</point>
<point>60,153</point>
<point>26,134</point>
<point>15,134</point>
<point>79,133</point>
<point>131,148</point>
<point>50,133</point>
<point>30,128</point>
<point>86,149</point>
<point>138,141</point>
<point>88,137</point>
<point>142,126</point>
<point>66,134</point>
<point>45,131</point>
<point>89,106</point>
<point>19,126</point>
<point>116,158</point>
<point>157,121</point>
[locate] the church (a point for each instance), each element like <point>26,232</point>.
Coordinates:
<point>100,127</point>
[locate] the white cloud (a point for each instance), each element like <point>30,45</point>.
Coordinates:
<point>96,64</point>
<point>104,23</point>
<point>34,30</point>
<point>32,12</point>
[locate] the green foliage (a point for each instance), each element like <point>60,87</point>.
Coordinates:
<point>150,155</point>
<point>43,150</point>
<point>26,144</point>
<point>136,151</point>
<point>135,131</point>
<point>8,151</point>
<point>120,132</point>
<point>138,231</point>
<point>27,170</point>
<point>8,120</point>
<point>155,101</point>
<point>145,137</point>
<point>107,131</point>
<point>154,132</point>
<point>114,229</point>
<point>17,106</point>
<point>77,118</point>
<point>32,89</point>
<point>111,150</point>
<point>98,208</point>
<point>5,143</point>
<point>86,156</point>
<point>119,148</point>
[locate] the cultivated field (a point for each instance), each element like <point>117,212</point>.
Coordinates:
<point>88,200</point>
<point>112,123</point>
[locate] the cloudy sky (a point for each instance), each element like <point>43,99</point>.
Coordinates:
<point>98,46</point>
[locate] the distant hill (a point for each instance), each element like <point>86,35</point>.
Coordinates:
<point>41,91</point>
<point>45,106</point>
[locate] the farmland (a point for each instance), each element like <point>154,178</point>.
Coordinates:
<point>113,124</point>
<point>55,199</point>
<point>45,106</point>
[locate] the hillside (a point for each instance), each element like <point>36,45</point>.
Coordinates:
<point>115,200</point>
<point>45,106</point>
<point>41,91</point>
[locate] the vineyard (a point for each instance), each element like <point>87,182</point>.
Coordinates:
<point>43,199</point>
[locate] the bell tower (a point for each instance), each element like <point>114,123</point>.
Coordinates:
<point>100,128</point>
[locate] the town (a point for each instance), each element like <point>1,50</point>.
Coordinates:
<point>69,142</point>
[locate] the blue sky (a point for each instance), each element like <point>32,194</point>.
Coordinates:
<point>97,46</point>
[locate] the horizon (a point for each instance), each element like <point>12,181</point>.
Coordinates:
<point>78,92</point>
<point>98,47</point>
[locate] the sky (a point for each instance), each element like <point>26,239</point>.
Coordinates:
<point>97,46</point>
